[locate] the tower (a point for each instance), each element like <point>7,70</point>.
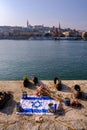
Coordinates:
<point>27,24</point>
<point>59,30</point>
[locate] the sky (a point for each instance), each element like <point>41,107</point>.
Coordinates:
<point>69,13</point>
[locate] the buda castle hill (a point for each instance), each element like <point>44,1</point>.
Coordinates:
<point>41,32</point>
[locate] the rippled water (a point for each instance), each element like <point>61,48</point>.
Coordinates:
<point>44,59</point>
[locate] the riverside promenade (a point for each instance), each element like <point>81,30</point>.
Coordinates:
<point>71,119</point>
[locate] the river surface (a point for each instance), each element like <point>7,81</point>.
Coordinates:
<point>45,59</point>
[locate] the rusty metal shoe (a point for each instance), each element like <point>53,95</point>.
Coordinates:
<point>4,97</point>
<point>57,83</point>
<point>76,90</point>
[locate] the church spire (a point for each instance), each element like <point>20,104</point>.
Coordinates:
<point>59,27</point>
<point>59,30</point>
<point>27,24</point>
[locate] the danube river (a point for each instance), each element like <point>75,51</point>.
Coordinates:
<point>44,59</point>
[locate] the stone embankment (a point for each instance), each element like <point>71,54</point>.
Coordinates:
<point>71,119</point>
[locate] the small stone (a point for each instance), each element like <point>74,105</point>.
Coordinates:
<point>38,119</point>
<point>56,116</point>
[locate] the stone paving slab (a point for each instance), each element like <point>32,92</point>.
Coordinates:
<point>76,118</point>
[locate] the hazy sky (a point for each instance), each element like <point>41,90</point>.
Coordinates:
<point>70,13</point>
